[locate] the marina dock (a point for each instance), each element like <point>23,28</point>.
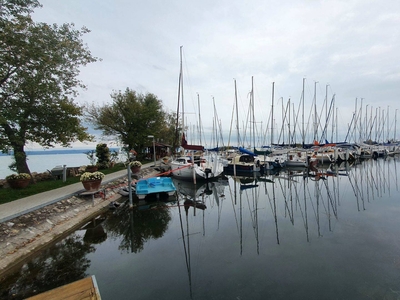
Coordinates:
<point>79,290</point>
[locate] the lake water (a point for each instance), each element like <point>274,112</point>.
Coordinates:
<point>331,234</point>
<point>42,160</point>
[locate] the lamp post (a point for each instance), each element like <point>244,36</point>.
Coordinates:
<point>154,148</point>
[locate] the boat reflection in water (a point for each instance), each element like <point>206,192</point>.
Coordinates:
<point>195,195</point>
<point>333,228</point>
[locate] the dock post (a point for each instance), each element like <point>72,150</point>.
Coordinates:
<point>64,173</point>
<point>130,187</point>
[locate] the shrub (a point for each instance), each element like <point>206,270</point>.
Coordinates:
<point>103,156</point>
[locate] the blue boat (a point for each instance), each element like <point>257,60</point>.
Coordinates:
<point>154,185</point>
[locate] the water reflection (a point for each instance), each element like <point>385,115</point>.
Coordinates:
<point>194,197</point>
<point>134,227</point>
<point>94,231</point>
<point>64,262</point>
<point>221,237</point>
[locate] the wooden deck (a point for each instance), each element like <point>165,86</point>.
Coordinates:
<point>84,289</point>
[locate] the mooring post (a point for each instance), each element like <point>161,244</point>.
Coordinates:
<point>130,187</point>
<point>64,173</point>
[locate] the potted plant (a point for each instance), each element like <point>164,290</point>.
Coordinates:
<point>18,181</point>
<point>92,180</point>
<point>135,166</point>
<point>91,155</point>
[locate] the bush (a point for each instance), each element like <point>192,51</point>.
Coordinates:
<point>103,156</point>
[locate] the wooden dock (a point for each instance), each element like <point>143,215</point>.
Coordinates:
<point>84,289</point>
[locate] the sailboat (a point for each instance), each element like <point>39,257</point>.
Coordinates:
<point>193,165</point>
<point>245,161</point>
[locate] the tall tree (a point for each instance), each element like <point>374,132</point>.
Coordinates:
<point>132,117</point>
<point>39,66</point>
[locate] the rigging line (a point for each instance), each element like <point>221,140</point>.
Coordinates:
<point>189,82</point>
<point>325,129</point>
<point>296,120</point>
<point>348,131</point>
<point>233,205</point>
<point>316,214</point>
<point>375,184</point>
<point>360,190</point>
<point>291,216</point>
<point>283,124</point>
<point>182,231</point>
<point>267,129</point>
<point>330,199</point>
<point>354,190</point>
<point>303,215</point>
<point>326,207</point>
<point>321,197</point>
<point>248,203</point>
<point>381,179</point>
<point>230,129</point>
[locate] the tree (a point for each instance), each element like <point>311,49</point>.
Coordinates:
<point>132,117</point>
<point>39,66</point>
<point>103,156</point>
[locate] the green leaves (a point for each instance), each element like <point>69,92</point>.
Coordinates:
<point>39,68</point>
<point>132,117</point>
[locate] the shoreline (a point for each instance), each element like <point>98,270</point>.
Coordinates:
<point>22,237</point>
<point>48,159</point>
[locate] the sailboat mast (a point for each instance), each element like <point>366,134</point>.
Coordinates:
<point>181,84</point>
<point>302,114</point>
<point>198,104</point>
<point>315,112</point>
<point>176,138</point>
<point>237,116</point>
<point>252,108</point>
<point>289,124</point>
<point>272,114</point>
<point>395,125</point>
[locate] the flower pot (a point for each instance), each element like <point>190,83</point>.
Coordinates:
<point>135,170</point>
<point>92,185</point>
<point>18,183</point>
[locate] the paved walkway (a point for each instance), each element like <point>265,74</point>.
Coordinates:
<point>25,205</point>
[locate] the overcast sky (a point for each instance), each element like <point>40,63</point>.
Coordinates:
<point>351,45</point>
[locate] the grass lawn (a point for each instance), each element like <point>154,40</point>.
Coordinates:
<point>8,194</point>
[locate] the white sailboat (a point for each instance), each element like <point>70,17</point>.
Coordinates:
<point>193,164</point>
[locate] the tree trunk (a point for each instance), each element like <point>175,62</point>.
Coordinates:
<point>20,159</point>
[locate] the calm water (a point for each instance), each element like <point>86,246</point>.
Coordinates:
<point>43,160</point>
<point>281,236</point>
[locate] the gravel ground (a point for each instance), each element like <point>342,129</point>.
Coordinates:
<point>22,237</point>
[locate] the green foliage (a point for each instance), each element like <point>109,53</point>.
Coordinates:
<point>131,117</point>
<point>39,68</point>
<point>103,156</point>
<point>114,156</point>
<point>17,8</point>
<point>91,155</point>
